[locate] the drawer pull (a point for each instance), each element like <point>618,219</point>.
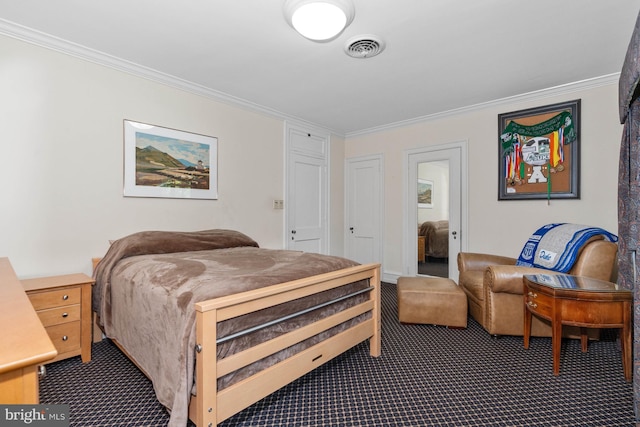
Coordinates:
<point>64,338</point>
<point>65,297</point>
<point>532,304</point>
<point>531,294</point>
<point>42,371</point>
<point>65,314</point>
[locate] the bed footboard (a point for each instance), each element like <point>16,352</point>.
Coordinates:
<point>211,406</point>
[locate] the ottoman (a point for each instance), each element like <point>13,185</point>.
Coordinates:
<point>431,300</point>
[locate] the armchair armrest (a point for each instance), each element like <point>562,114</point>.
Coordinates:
<point>508,278</point>
<point>477,261</point>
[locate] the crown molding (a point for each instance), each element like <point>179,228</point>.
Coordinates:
<point>38,38</point>
<point>29,35</point>
<point>565,89</point>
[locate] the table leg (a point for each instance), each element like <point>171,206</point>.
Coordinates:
<point>556,337</point>
<point>584,339</point>
<point>527,323</point>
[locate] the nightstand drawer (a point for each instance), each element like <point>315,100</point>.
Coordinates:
<point>66,337</point>
<point>55,298</point>
<point>58,315</point>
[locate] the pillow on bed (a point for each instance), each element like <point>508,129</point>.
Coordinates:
<point>157,242</point>
<point>162,242</point>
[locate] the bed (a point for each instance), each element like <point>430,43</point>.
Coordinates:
<point>436,238</point>
<point>218,323</point>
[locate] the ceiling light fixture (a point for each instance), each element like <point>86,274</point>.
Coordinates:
<point>319,20</point>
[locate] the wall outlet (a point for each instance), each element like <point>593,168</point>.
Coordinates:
<point>278,204</point>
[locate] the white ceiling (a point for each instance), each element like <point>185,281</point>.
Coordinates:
<point>440,55</point>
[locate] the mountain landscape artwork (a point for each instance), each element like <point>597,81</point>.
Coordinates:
<point>425,193</point>
<point>171,162</point>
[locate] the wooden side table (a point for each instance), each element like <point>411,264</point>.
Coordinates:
<point>578,301</point>
<point>63,304</point>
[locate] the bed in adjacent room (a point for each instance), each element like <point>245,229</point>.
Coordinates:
<point>436,238</point>
<point>218,323</point>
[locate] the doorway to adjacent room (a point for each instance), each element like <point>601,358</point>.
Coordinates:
<point>435,191</point>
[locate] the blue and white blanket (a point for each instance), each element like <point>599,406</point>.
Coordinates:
<point>556,246</point>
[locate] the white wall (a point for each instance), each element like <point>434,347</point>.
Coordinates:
<point>61,148</point>
<point>62,157</point>
<point>503,227</point>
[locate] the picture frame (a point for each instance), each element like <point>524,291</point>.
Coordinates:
<point>169,163</point>
<point>539,153</point>
<point>425,193</point>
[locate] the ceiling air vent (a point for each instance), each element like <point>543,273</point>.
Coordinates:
<point>366,46</point>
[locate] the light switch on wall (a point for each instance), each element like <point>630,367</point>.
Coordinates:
<point>278,204</point>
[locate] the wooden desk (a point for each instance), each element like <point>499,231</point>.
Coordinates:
<point>24,343</point>
<point>578,301</point>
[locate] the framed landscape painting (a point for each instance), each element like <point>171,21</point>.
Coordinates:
<point>170,163</point>
<point>425,193</point>
<point>539,153</point>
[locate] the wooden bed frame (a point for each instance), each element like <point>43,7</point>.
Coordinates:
<point>211,406</point>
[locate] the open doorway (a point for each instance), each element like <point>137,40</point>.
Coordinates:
<point>435,192</point>
<point>433,218</point>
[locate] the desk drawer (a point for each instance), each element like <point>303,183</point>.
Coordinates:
<point>66,337</point>
<point>55,298</point>
<point>58,315</point>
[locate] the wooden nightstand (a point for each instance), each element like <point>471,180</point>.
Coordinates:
<point>63,304</point>
<point>421,249</point>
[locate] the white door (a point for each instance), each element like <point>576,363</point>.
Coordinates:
<point>364,209</point>
<point>307,183</point>
<point>453,155</point>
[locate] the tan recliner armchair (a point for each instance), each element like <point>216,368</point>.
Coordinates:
<point>494,287</point>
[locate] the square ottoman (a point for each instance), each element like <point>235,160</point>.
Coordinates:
<point>431,300</point>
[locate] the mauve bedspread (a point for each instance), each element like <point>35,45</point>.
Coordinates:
<point>436,238</point>
<point>147,285</point>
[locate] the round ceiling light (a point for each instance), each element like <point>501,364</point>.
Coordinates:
<point>319,20</point>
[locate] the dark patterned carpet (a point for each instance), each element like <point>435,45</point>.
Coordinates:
<point>427,376</point>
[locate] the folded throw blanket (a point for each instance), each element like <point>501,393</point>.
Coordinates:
<point>556,246</point>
